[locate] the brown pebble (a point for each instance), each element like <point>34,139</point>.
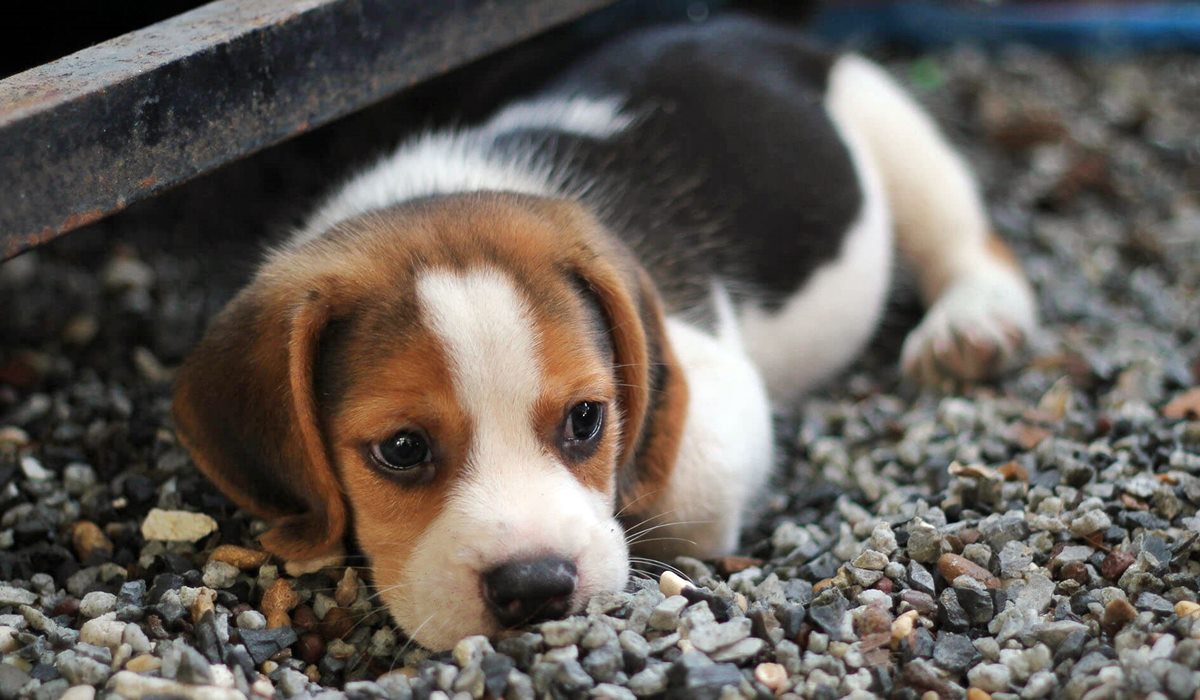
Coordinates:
<point>1029,436</point>
<point>241,557</point>
<point>772,675</point>
<point>1187,608</point>
<point>313,673</point>
<point>154,626</point>
<point>310,648</point>
<point>143,663</point>
<point>278,619</point>
<point>1115,564</point>
<point>304,618</point>
<point>732,564</point>
<point>884,584</point>
<point>1011,471</point>
<point>903,626</point>
<point>347,588</point>
<point>277,600</point>
<point>978,694</point>
<point>822,585</point>
<point>1074,571</point>
<point>337,624</point>
<point>951,566</point>
<point>90,543</point>
<point>921,602</point>
<point>1117,614</point>
<point>1185,405</point>
<point>67,606</point>
<point>206,598</point>
<point>874,620</point>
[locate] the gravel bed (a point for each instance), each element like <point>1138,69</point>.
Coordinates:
<point>1035,538</point>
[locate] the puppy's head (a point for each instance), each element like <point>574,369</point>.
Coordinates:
<point>473,384</point>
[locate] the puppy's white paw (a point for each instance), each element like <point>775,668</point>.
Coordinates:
<point>973,331</point>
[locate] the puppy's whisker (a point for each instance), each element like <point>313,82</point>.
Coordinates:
<point>633,529</point>
<point>634,539</point>
<point>644,495</point>
<point>666,539</point>
<point>411,641</point>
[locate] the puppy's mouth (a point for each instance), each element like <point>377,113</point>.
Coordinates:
<point>530,590</point>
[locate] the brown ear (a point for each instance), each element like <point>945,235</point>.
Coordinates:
<point>653,388</point>
<point>244,407</point>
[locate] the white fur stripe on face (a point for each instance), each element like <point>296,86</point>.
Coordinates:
<point>492,350</point>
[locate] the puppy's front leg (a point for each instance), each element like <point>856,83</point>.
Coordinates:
<point>724,457</point>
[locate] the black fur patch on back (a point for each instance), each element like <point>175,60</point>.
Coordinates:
<point>732,168</point>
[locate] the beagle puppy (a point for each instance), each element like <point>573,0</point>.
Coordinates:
<point>503,353</point>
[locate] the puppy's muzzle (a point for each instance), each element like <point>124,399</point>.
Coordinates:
<point>530,590</point>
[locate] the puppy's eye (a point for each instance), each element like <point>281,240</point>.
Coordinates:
<point>583,423</point>
<point>403,451</point>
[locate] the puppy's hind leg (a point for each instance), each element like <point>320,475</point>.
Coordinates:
<point>981,308</point>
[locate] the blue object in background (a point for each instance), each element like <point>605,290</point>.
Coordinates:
<point>1064,26</point>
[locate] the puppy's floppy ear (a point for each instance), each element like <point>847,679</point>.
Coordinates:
<point>653,391</point>
<point>245,408</point>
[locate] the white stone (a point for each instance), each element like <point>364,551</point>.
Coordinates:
<point>177,526</point>
<point>79,692</point>
<point>103,631</point>
<point>128,684</point>
<point>97,603</point>
<point>33,469</point>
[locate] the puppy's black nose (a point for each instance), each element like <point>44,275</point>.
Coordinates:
<point>531,590</point>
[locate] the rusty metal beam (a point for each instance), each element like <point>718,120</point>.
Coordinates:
<point>91,133</point>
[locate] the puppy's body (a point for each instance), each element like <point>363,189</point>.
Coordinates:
<point>685,222</point>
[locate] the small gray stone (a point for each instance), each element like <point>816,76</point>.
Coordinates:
<point>924,542</point>
<point>470,680</point>
<point>11,595</point>
<point>604,662</point>
<point>291,682</point>
<point>608,691</point>
<point>97,603</point>
<point>561,633</point>
<point>218,574</point>
<point>871,559</point>
<point>251,620</point>
<point>993,678</point>
<point>1089,522</point>
<point>1039,685</point>
<point>572,679</point>
<point>1015,558</point>
<point>710,638</point>
<point>650,681</point>
<point>954,652</point>
<point>1037,594</point>
<point>666,614</point>
<point>975,599</point>
<point>365,690</point>
<point>599,634</point>
<point>78,478</point>
<point>1053,633</point>
<point>471,649</point>
<point>882,539</point>
<point>739,652</point>
<point>1074,553</point>
<point>999,530</point>
<point>12,679</point>
<point>80,670</point>
<point>920,578</point>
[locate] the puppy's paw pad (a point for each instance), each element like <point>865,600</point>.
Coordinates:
<point>973,332</point>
